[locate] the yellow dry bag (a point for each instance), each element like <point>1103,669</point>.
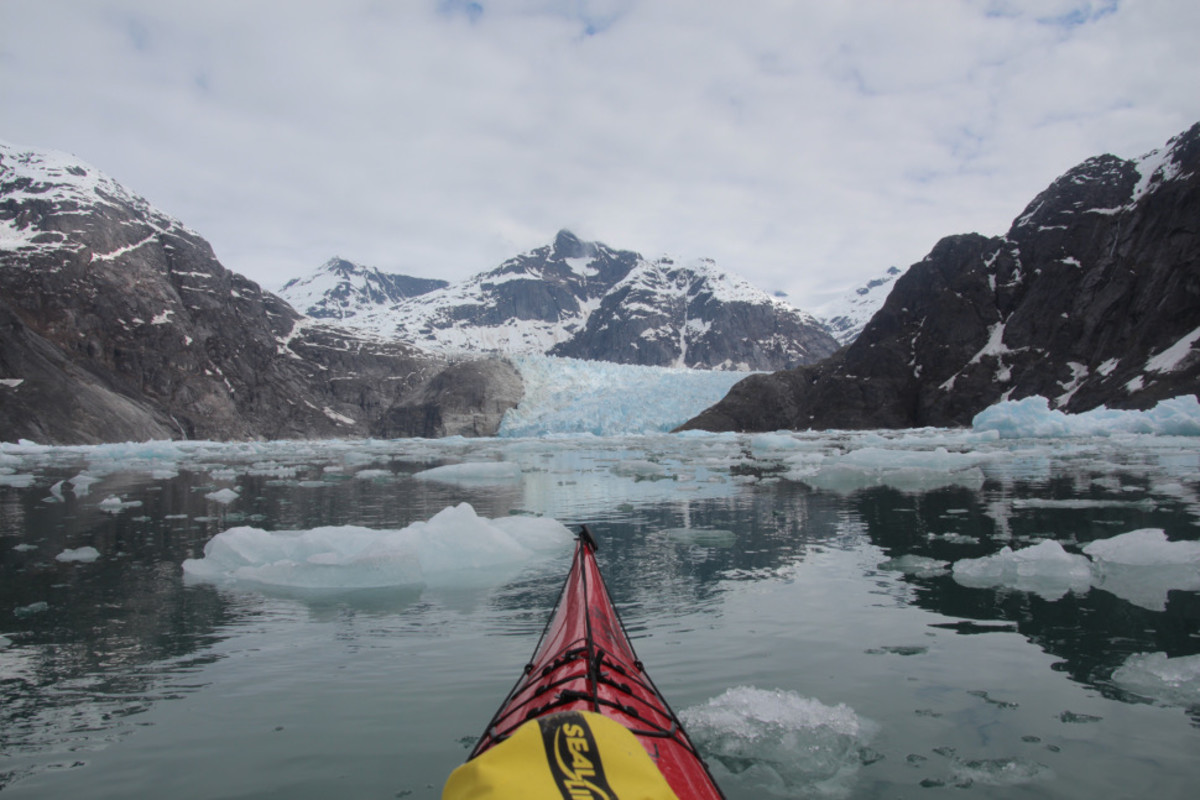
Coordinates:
<point>572,755</point>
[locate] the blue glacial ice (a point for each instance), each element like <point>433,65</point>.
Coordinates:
<point>1032,417</point>
<point>565,395</point>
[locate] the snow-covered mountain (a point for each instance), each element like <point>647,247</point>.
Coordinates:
<point>341,288</point>
<point>587,300</point>
<point>846,316</point>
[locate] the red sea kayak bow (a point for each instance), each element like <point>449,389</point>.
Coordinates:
<point>554,735</point>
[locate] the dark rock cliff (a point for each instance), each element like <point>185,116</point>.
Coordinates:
<point>118,323</point>
<point>1092,298</point>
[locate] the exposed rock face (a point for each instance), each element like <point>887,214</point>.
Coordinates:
<point>118,323</point>
<point>586,300</point>
<point>1092,298</point>
<point>466,399</point>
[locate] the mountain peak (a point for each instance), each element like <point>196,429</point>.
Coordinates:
<point>568,245</point>
<point>340,288</point>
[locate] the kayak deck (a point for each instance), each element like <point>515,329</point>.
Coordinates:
<point>585,662</point>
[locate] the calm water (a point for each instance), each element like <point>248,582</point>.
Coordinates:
<point>736,562</point>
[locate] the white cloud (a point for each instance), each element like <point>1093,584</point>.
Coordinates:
<point>807,145</point>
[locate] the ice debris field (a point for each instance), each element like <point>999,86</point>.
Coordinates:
<point>585,426</point>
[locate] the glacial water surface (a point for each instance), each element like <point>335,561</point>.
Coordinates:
<point>812,604</point>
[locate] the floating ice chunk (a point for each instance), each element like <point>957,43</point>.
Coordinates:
<point>640,468</point>
<point>82,554</point>
<point>1032,417</point>
<point>17,481</point>
<point>1144,547</point>
<point>780,741</point>
<point>920,566</point>
<point>454,543</point>
<point>114,505</point>
<point>24,547</point>
<point>1142,566</point>
<point>481,472</point>
<point>223,496</point>
<point>372,474</point>
<point>82,484</point>
<point>1044,569</point>
<point>765,443</point>
<point>905,470</point>
<point>703,537</point>
<point>1171,681</point>
<point>56,493</point>
<point>31,609</point>
<point>998,772</point>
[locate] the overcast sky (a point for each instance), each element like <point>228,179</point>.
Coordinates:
<point>805,144</point>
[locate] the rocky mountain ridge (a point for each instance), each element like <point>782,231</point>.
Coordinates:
<point>589,301</point>
<point>117,322</point>
<point>1091,298</point>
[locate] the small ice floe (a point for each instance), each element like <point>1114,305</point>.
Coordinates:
<point>16,480</point>
<point>223,496</point>
<point>56,493</point>
<point>31,609</point>
<point>995,772</point>
<point>1169,681</point>
<point>373,474</point>
<point>780,742</point>
<point>917,566</point>
<point>1044,569</point>
<point>24,547</point>
<point>1142,566</point>
<point>84,555</point>
<point>81,484</point>
<point>473,473</point>
<point>455,547</point>
<point>702,537</point>
<point>115,505</point>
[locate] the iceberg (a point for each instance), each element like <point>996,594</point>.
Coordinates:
<point>1044,569</point>
<point>1032,417</point>
<point>486,472</point>
<point>1170,681</point>
<point>1142,566</point>
<point>84,555</point>
<point>223,496</point>
<point>455,546</point>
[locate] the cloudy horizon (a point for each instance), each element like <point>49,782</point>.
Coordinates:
<point>807,146</point>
